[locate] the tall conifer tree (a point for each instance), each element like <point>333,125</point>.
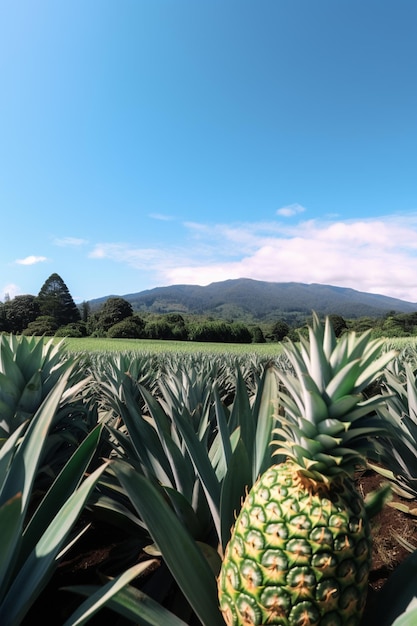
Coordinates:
<point>55,299</point>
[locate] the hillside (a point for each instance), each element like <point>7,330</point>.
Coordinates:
<point>252,300</point>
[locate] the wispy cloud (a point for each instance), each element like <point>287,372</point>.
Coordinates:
<point>69,241</point>
<point>31,260</point>
<point>152,261</point>
<point>233,239</point>
<point>162,217</point>
<point>124,253</point>
<point>290,210</point>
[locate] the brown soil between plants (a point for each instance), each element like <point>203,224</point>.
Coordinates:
<point>102,547</point>
<point>388,526</point>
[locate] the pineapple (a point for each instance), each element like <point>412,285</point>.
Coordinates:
<point>300,550</point>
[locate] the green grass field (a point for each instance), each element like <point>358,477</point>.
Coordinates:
<point>94,344</point>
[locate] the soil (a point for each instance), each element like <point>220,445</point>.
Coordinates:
<point>389,526</point>
<point>103,549</point>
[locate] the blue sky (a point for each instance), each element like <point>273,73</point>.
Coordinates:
<point>148,143</point>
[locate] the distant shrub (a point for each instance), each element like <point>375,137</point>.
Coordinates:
<point>218,331</point>
<point>129,328</point>
<point>158,329</point>
<point>43,325</point>
<point>113,311</point>
<point>240,333</point>
<point>76,329</point>
<point>279,330</point>
<point>257,335</point>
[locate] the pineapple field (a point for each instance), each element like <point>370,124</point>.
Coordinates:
<point>209,487</point>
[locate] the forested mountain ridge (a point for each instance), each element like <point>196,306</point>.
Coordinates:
<point>248,299</point>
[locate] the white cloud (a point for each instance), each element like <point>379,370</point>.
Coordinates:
<point>69,241</point>
<point>161,216</point>
<point>11,290</point>
<point>373,255</point>
<point>290,210</point>
<point>31,260</point>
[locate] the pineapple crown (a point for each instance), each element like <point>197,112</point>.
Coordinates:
<point>327,420</point>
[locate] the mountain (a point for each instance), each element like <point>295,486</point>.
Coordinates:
<point>253,300</point>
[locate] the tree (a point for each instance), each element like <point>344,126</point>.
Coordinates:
<point>339,324</point>
<point>3,318</point>
<point>166,326</point>
<point>219,332</point>
<point>363,324</point>
<point>84,309</point>
<point>178,326</point>
<point>113,311</point>
<point>19,312</point>
<point>279,330</point>
<point>158,329</point>
<point>43,325</point>
<point>55,300</point>
<point>92,325</point>
<point>257,335</point>
<point>75,329</point>
<point>240,333</point>
<point>129,328</point>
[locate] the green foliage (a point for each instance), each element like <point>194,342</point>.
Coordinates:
<point>172,326</point>
<point>363,324</point>
<point>175,319</point>
<point>30,368</point>
<point>3,319</point>
<point>18,313</point>
<point>43,325</point>
<point>279,330</point>
<point>158,329</point>
<point>191,441</point>
<point>257,334</point>
<point>190,433</point>
<point>84,309</point>
<point>339,324</point>
<point>129,328</point>
<point>390,326</point>
<point>55,300</point>
<point>33,537</point>
<point>76,329</point>
<point>191,571</point>
<point>178,326</point>
<point>219,331</point>
<point>400,325</point>
<point>113,311</point>
<point>397,454</point>
<point>240,333</point>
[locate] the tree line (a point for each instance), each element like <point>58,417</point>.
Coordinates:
<point>53,312</point>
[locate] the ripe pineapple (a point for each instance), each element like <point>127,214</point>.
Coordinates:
<point>300,550</point>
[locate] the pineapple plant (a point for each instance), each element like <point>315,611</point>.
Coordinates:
<point>300,550</point>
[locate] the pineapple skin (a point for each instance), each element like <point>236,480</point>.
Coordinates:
<point>299,554</point>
